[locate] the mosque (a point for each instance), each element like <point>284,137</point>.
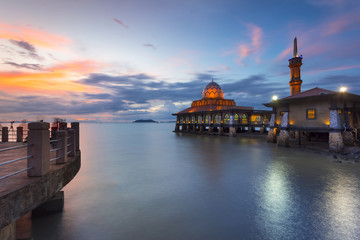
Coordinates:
<point>213,114</point>
<point>301,118</point>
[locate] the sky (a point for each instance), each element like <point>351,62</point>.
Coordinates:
<point>122,60</point>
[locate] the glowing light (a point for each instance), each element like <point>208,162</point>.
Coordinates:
<point>274,98</point>
<point>343,89</point>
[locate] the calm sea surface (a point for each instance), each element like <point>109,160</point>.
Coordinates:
<point>142,181</point>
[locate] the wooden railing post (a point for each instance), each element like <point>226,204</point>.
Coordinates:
<point>71,142</point>
<point>61,154</point>
<point>19,134</point>
<point>75,126</point>
<point>5,134</point>
<point>39,149</point>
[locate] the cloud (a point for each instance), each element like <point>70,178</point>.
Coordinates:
<point>322,38</point>
<point>149,46</point>
<point>58,79</point>
<point>25,65</point>
<point>28,47</point>
<point>32,36</point>
<point>121,23</point>
<point>245,49</point>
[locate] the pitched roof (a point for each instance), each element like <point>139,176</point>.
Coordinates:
<point>310,93</point>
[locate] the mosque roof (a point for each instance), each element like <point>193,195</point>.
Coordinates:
<point>209,108</point>
<point>212,91</point>
<point>310,93</point>
<point>313,93</point>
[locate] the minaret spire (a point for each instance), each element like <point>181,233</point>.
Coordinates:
<point>295,66</point>
<point>295,48</point>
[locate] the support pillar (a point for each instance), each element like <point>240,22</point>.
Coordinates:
<point>271,137</point>
<point>177,128</point>
<point>5,134</point>
<point>348,138</point>
<point>23,227</point>
<point>221,130</point>
<point>297,138</point>
<point>232,129</point>
<point>262,130</point>
<point>39,149</point>
<point>201,129</point>
<point>336,143</point>
<point>194,128</point>
<point>284,136</point>
<point>250,129</point>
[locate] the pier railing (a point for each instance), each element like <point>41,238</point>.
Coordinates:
<point>18,134</point>
<point>43,151</point>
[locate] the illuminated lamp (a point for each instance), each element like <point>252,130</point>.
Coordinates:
<point>343,89</point>
<point>274,98</point>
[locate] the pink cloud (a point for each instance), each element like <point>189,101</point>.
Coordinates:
<point>318,39</point>
<point>284,54</point>
<point>332,69</point>
<point>121,23</point>
<point>244,50</point>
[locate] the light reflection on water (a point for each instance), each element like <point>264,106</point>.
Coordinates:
<point>141,181</point>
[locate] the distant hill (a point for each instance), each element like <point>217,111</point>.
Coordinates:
<point>145,121</point>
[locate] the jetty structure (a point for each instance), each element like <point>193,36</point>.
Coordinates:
<point>213,114</point>
<point>34,166</point>
<point>314,113</point>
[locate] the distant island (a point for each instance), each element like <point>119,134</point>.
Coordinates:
<point>145,121</point>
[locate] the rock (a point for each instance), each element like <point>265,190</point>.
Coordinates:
<point>334,156</point>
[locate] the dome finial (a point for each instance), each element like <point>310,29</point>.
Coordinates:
<point>212,80</point>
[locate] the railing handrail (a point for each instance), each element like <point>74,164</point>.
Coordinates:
<point>15,160</point>
<point>14,173</point>
<point>16,147</point>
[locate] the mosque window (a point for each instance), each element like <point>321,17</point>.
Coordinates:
<point>207,119</point>
<point>236,118</point>
<point>244,119</point>
<point>310,114</point>
<point>199,119</point>
<point>226,119</point>
<point>255,119</point>
<point>216,119</point>
<point>193,119</point>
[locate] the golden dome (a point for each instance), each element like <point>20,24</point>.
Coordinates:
<point>212,90</point>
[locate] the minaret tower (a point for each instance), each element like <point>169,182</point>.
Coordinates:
<point>295,65</point>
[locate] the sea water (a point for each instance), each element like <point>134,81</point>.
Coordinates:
<point>143,181</point>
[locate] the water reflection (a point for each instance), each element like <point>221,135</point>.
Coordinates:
<point>141,181</point>
<point>341,205</point>
<point>276,198</point>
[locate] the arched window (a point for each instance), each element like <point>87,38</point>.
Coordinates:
<point>207,119</point>
<point>227,119</point>
<point>182,120</point>
<point>236,119</point>
<point>199,119</point>
<point>244,119</point>
<point>216,119</point>
<point>187,119</point>
<point>265,119</point>
<point>193,119</point>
